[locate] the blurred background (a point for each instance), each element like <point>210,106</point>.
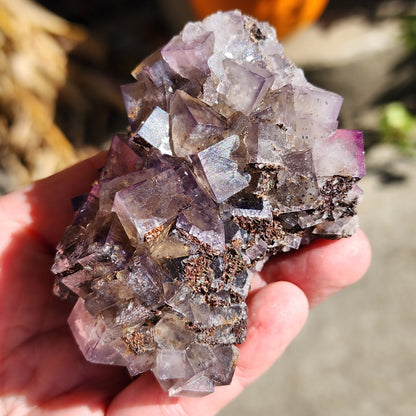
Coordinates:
<point>61,64</point>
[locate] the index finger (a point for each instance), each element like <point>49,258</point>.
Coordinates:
<point>44,208</point>
<point>322,268</point>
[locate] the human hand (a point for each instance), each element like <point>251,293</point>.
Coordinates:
<point>42,371</point>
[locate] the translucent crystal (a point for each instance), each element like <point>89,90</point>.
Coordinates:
<point>221,172</point>
<point>189,58</point>
<point>194,125</point>
<point>205,225</point>
<point>135,205</point>
<point>90,336</point>
<point>121,158</point>
<point>145,278</point>
<point>109,188</point>
<point>171,332</point>
<point>231,157</point>
<point>245,85</point>
<point>197,386</point>
<point>342,153</point>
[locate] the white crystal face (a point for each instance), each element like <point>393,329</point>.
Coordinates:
<point>231,157</point>
<point>155,130</point>
<point>340,154</point>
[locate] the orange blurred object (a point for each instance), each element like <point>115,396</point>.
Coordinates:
<point>284,15</point>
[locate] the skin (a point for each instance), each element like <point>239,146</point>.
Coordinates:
<point>42,371</point>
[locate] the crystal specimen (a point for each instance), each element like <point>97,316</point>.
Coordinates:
<point>231,156</point>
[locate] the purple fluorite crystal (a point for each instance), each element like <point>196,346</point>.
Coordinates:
<point>232,156</point>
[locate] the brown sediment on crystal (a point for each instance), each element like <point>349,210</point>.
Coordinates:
<point>198,273</point>
<point>333,194</point>
<point>140,342</point>
<point>236,298</point>
<point>267,179</point>
<point>203,247</point>
<point>236,244</point>
<point>234,264</point>
<point>153,234</point>
<point>214,301</point>
<point>236,328</point>
<point>337,186</point>
<point>270,230</point>
<point>205,334</point>
<point>240,331</point>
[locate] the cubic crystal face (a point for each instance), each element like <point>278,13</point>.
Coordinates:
<point>231,157</point>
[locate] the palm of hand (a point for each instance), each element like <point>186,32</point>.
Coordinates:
<point>41,368</point>
<point>40,363</point>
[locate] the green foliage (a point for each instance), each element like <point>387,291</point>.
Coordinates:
<point>409,30</point>
<point>398,126</point>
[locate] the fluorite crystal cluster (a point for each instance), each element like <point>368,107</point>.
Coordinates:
<point>231,156</point>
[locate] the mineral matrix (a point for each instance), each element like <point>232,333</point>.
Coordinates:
<point>231,156</point>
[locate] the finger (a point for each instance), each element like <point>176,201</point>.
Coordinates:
<point>44,207</point>
<point>322,268</point>
<point>277,312</point>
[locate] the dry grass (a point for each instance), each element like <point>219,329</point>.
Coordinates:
<point>34,46</point>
